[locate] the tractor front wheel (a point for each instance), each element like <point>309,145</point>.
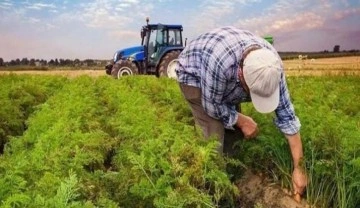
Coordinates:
<point>168,65</point>
<point>124,68</point>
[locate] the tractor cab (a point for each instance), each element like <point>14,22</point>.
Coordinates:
<point>158,40</point>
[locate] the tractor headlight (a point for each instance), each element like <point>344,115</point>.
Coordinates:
<point>131,58</point>
<point>115,57</point>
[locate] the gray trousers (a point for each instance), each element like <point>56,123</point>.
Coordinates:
<point>209,125</point>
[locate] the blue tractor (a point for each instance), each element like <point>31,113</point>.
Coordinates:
<point>158,53</point>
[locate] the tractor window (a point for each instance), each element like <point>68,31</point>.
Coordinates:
<point>160,41</point>
<point>152,43</point>
<point>174,37</point>
<point>161,37</point>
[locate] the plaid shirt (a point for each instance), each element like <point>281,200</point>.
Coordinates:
<point>211,62</point>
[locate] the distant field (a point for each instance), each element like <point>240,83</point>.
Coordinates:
<point>295,67</point>
<point>324,66</point>
<point>67,73</point>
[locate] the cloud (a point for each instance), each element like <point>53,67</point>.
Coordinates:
<point>6,5</point>
<point>271,24</point>
<point>33,20</point>
<point>217,13</point>
<point>105,13</point>
<point>303,21</point>
<point>12,16</point>
<point>325,4</point>
<point>28,17</point>
<point>118,21</point>
<point>40,6</point>
<point>122,6</point>
<point>284,5</point>
<point>132,1</point>
<point>49,26</point>
<point>285,16</point>
<point>339,15</point>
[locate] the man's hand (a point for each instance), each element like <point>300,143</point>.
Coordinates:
<point>299,180</point>
<point>248,126</point>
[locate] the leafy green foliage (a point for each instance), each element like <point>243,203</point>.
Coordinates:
<point>19,97</point>
<point>100,142</point>
<point>124,147</point>
<point>161,161</point>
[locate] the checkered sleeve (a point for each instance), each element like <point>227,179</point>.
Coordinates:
<point>286,120</point>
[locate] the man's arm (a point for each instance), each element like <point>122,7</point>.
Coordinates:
<point>296,148</point>
<point>299,178</point>
<point>289,124</point>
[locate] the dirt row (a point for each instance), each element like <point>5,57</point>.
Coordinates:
<point>258,191</point>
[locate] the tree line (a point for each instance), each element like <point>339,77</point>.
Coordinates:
<point>91,62</point>
<point>52,62</point>
<point>316,55</point>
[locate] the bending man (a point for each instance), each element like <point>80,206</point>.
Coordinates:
<point>224,67</point>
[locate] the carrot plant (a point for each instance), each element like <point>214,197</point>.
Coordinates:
<point>104,142</point>
<point>162,161</point>
<point>100,142</point>
<point>19,97</point>
<point>64,135</point>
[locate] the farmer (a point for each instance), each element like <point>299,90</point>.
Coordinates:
<point>224,67</point>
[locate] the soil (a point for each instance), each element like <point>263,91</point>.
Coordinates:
<point>258,191</point>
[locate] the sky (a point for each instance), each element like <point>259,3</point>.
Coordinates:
<point>95,29</point>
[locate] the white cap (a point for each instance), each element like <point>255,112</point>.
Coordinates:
<point>262,74</point>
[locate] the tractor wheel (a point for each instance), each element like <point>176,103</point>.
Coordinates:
<point>168,65</point>
<point>124,68</point>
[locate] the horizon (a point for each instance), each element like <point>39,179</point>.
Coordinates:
<point>96,29</point>
<point>289,53</point>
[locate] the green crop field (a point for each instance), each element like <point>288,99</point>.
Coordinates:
<point>99,142</point>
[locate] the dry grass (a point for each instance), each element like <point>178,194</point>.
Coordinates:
<point>326,66</point>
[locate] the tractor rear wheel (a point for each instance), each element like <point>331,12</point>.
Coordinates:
<point>168,65</point>
<point>124,68</point>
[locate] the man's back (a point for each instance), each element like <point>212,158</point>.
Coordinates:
<point>220,49</point>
